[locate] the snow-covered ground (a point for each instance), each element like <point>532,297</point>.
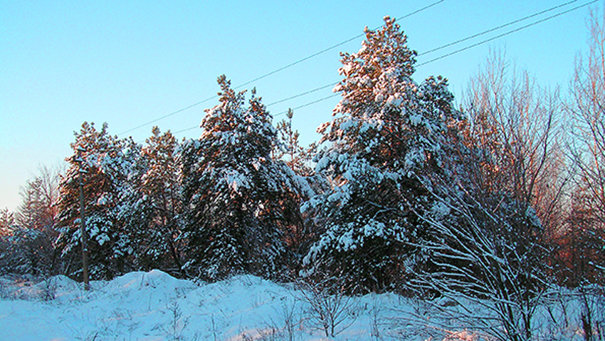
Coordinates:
<point>155,306</point>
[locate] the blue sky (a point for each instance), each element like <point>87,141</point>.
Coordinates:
<point>128,62</point>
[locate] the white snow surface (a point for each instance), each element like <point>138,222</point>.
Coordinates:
<point>155,306</point>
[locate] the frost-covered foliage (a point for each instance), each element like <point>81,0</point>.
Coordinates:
<point>387,128</point>
<point>299,159</point>
<point>492,244</point>
<point>153,205</point>
<point>7,225</point>
<point>485,244</point>
<point>240,202</point>
<point>25,250</point>
<point>106,162</point>
<point>487,252</point>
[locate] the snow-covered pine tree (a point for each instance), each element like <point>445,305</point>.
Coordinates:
<point>7,227</point>
<point>289,149</point>
<point>239,200</point>
<point>387,132</point>
<point>107,164</point>
<point>153,206</point>
<point>7,221</point>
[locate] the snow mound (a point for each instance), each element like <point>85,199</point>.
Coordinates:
<point>26,289</point>
<point>156,306</point>
<point>139,280</point>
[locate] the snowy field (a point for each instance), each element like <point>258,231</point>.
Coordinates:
<point>156,306</point>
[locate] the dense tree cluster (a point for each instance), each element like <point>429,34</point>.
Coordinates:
<point>408,193</point>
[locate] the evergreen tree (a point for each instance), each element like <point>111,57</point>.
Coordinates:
<point>7,227</point>
<point>299,236</point>
<point>387,133</point>
<point>153,206</point>
<point>7,221</point>
<point>289,148</point>
<point>106,164</point>
<point>239,200</point>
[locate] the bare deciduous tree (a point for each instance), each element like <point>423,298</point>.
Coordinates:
<point>516,124</point>
<point>588,112</point>
<point>488,230</point>
<point>329,306</point>
<point>32,239</point>
<point>486,258</point>
<point>583,249</point>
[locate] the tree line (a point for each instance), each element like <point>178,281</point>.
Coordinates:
<point>500,197</point>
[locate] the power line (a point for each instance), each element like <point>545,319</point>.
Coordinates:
<point>462,40</point>
<point>168,115</point>
<point>438,48</point>
<point>497,28</point>
<point>279,114</point>
<point>507,33</point>
<point>303,93</point>
<point>332,47</point>
<point>275,71</point>
<point>308,104</point>
<point>457,51</point>
<point>186,129</point>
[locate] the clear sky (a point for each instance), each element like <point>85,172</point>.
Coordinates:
<point>128,62</point>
